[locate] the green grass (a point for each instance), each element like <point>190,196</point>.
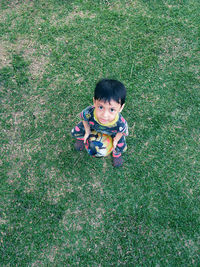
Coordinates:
<point>62,208</point>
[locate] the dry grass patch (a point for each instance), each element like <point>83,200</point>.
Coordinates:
<point>55,194</point>
<point>56,20</point>
<point>60,189</point>
<point>35,55</point>
<point>77,220</point>
<point>31,181</point>
<point>96,184</point>
<point>48,254</point>
<point>4,56</point>
<point>38,56</point>
<point>80,14</point>
<point>14,7</point>
<point>37,67</point>
<point>19,155</point>
<point>173,49</point>
<point>136,5</point>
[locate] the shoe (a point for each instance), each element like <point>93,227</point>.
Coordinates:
<point>79,145</point>
<point>117,160</point>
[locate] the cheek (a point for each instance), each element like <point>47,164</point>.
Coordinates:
<point>113,115</point>
<point>98,113</point>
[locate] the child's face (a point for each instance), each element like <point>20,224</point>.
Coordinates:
<point>106,112</point>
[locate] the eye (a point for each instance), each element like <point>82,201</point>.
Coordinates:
<point>112,110</point>
<point>100,107</point>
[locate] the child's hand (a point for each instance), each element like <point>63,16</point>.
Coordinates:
<point>116,139</point>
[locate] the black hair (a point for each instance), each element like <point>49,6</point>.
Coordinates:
<point>107,90</point>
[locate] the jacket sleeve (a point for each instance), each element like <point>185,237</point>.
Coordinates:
<point>86,113</point>
<point>123,126</point>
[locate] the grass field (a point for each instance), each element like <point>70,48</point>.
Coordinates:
<point>64,208</point>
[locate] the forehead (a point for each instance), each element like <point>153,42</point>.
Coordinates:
<point>108,104</point>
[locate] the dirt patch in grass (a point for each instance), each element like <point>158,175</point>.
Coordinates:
<point>35,56</point>
<point>37,67</point>
<point>80,14</point>
<point>96,185</point>
<point>4,56</point>
<point>72,16</point>
<point>31,52</point>
<point>15,8</point>
<point>173,49</point>
<point>77,220</point>
<point>123,8</point>
<point>55,194</point>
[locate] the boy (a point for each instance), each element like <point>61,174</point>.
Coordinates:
<point>104,116</point>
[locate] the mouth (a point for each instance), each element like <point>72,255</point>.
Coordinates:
<point>103,121</point>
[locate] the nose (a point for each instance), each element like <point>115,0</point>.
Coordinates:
<point>105,114</point>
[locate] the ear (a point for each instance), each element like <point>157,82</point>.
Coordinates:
<point>94,101</point>
<point>122,107</point>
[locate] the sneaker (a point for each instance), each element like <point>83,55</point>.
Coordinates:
<point>79,145</point>
<point>117,160</point>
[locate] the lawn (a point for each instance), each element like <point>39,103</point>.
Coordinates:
<point>64,208</point>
